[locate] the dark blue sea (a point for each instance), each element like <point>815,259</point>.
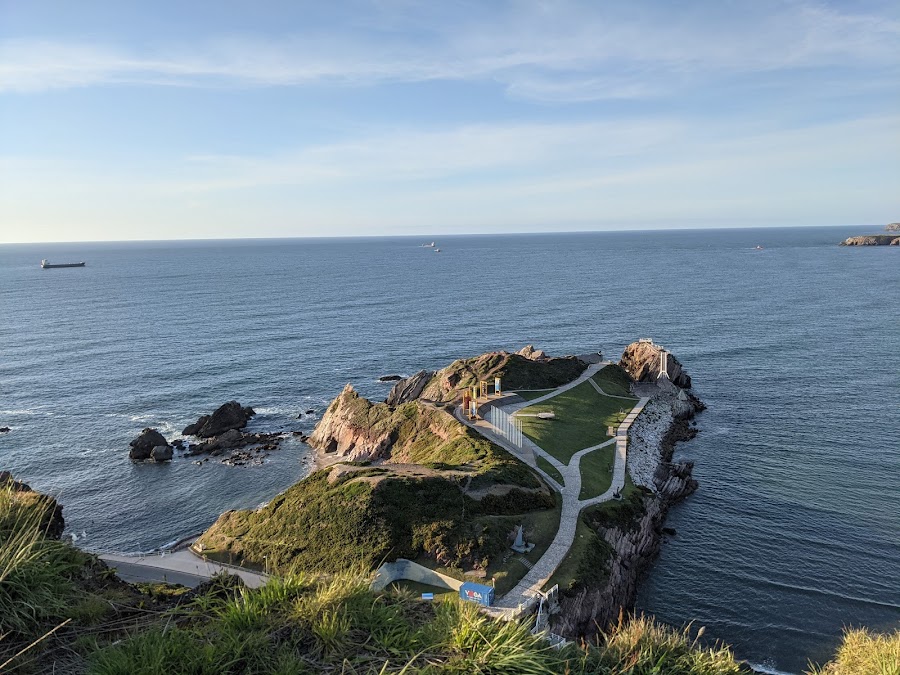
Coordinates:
<point>793,534</point>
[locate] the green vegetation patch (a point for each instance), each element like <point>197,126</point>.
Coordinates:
<point>550,470</point>
<point>586,563</point>
<point>540,528</point>
<point>863,652</point>
<point>596,471</point>
<point>359,521</point>
<point>582,417</point>
<point>614,381</point>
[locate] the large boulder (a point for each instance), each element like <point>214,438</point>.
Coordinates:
<point>161,453</point>
<point>142,446</point>
<point>895,242</point>
<point>645,361</point>
<point>409,389</point>
<point>227,417</point>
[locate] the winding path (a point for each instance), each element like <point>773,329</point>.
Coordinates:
<point>179,567</point>
<point>544,568</point>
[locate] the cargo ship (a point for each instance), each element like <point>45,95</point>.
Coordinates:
<point>45,264</point>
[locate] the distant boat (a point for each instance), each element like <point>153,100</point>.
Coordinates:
<point>758,248</point>
<point>431,245</point>
<point>437,250</point>
<point>45,264</point>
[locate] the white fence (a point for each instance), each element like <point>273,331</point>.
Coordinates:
<point>508,426</point>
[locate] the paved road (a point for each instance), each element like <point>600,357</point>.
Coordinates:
<point>544,568</point>
<point>180,567</point>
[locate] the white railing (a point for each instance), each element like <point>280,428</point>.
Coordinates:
<point>508,426</point>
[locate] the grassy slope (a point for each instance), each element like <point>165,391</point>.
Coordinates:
<point>582,416</point>
<point>614,381</point>
<point>596,471</point>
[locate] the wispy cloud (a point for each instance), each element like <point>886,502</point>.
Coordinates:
<point>547,51</point>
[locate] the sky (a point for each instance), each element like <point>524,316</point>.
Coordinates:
<point>127,120</point>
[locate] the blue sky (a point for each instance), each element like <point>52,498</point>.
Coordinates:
<point>163,120</point>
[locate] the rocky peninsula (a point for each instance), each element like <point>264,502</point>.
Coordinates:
<point>404,478</point>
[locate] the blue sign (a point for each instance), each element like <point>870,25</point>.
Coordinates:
<point>428,596</point>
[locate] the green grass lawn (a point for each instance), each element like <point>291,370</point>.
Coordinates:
<point>531,395</point>
<point>582,416</point>
<point>614,381</point>
<point>540,528</point>
<point>596,471</point>
<point>551,470</point>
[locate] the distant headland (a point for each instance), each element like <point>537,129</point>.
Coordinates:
<point>876,239</point>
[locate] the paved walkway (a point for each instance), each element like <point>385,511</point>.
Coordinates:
<point>544,568</point>
<point>179,567</point>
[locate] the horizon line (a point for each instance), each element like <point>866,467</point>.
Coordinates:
<point>445,234</point>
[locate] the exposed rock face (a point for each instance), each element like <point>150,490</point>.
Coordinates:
<point>896,242</point>
<point>390,378</point>
<point>225,418</point>
<point>142,446</point>
<point>872,240</point>
<point>346,429</point>
<point>52,518</point>
<point>893,227</point>
<point>409,389</point>
<point>644,362</point>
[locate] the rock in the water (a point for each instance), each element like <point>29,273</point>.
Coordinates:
<point>409,389</point>
<point>893,227</point>
<point>143,445</point>
<point>645,361</point>
<point>161,453</point>
<point>4,430</point>
<point>895,242</point>
<point>226,418</point>
<point>870,240</point>
<point>390,378</point>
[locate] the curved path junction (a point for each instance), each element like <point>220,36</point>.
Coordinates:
<point>531,584</point>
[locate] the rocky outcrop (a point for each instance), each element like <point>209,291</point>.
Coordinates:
<point>226,418</point>
<point>409,389</point>
<point>350,429</point>
<point>872,240</point>
<point>532,354</point>
<point>4,430</point>
<point>52,522</point>
<point>893,227</point>
<point>390,378</point>
<point>142,447</point>
<point>644,361</point>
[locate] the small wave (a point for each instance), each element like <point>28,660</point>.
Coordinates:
<point>769,670</point>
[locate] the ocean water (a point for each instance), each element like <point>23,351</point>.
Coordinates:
<point>793,534</point>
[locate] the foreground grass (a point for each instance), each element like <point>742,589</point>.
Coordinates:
<point>864,653</point>
<point>596,471</point>
<point>582,417</point>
